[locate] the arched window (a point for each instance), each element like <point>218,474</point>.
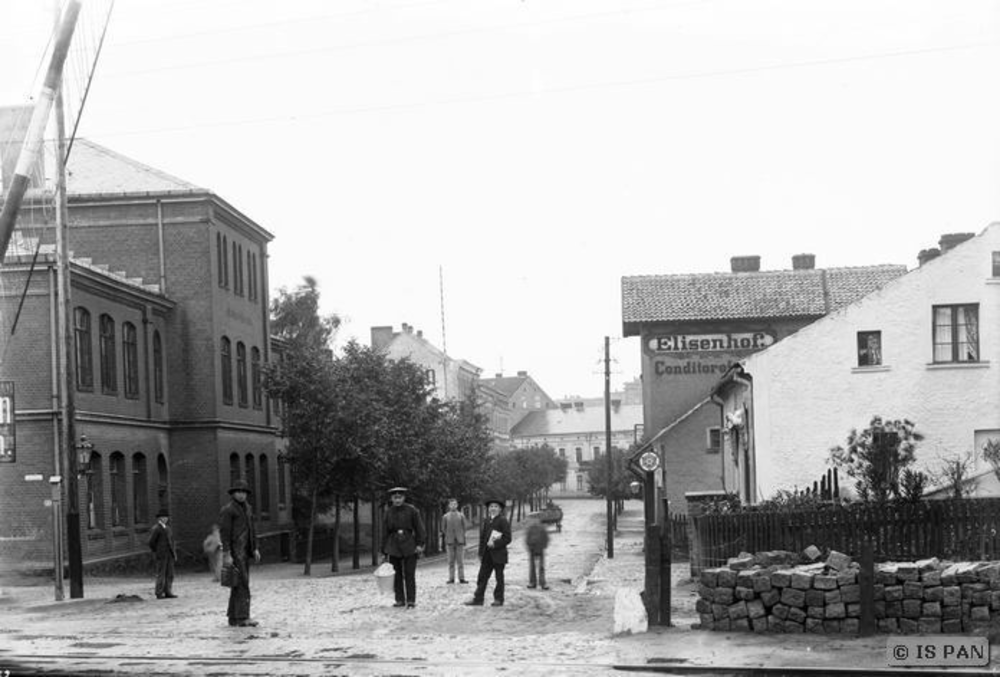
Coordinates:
<point>265,488</point>
<point>83,349</point>
<point>234,468</point>
<point>227,371</point>
<point>109,369</point>
<point>130,360</point>
<point>225,261</point>
<point>255,379</point>
<point>140,489</point>
<point>241,373</point>
<point>116,465</point>
<point>252,481</point>
<point>282,491</point>
<point>220,255</point>
<point>251,274</point>
<point>157,367</point>
<point>162,481</point>
<point>236,270</point>
<point>95,496</point>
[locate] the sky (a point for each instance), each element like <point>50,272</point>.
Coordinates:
<point>488,170</point>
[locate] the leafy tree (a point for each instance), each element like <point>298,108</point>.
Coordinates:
<point>876,456</point>
<point>597,475</point>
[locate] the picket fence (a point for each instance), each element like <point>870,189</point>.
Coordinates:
<point>965,529</point>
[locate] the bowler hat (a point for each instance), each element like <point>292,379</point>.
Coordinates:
<point>240,485</point>
<point>490,501</point>
<point>397,490</point>
<point>163,512</point>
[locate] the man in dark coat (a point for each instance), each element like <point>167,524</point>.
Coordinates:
<point>239,545</point>
<point>493,541</point>
<point>405,537</point>
<point>161,542</point>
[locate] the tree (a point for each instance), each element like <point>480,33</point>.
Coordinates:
<point>876,456</point>
<point>303,381</point>
<point>620,485</point>
<point>954,474</point>
<point>991,452</point>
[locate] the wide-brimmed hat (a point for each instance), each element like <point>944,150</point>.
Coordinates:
<point>240,485</point>
<point>489,501</point>
<point>163,512</point>
<point>397,490</point>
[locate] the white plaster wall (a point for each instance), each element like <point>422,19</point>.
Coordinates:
<point>808,392</point>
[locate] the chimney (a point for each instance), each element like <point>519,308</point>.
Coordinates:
<point>381,336</point>
<point>950,240</point>
<point>926,255</point>
<point>420,333</point>
<point>408,328</point>
<point>499,374</point>
<point>522,373</point>
<point>804,262</point>
<point>745,264</point>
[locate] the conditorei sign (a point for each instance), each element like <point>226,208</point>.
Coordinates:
<point>707,343</point>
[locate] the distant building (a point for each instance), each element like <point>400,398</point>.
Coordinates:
<point>453,379</point>
<point>694,327</point>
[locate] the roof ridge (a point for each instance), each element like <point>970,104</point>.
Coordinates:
<point>777,271</point>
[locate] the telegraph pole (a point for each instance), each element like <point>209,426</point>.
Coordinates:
<point>607,444</point>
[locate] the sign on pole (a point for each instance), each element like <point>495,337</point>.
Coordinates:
<point>7,437</point>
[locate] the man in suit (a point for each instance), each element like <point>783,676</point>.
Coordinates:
<point>239,545</point>
<point>493,542</point>
<point>453,530</point>
<point>404,541</point>
<point>161,542</point>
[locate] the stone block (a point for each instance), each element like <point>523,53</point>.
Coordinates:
<point>815,598</point>
<point>907,572</point>
<point>720,611</point>
<point>967,572</point>
<point>988,572</point>
<point>723,624</point>
<point>879,609</point>
<point>913,590</point>
<point>983,598</point>
<point>740,625</point>
<point>779,611</point>
<point>726,578</point>
<point>744,561</point>
<point>885,573</point>
<point>888,625</point>
<point>724,596</point>
<point>706,592</point>
<point>838,561</point>
<point>703,606</point>
<point>816,612</point>
<point>893,609</point>
<point>710,577</point>
<point>930,626</point>
<point>775,624</point>
<point>776,558</point>
<point>847,577</point>
<point>793,597</point>
<point>909,626</point>
<point>770,597</point>
<point>854,610</point>
<point>879,591</point>
<point>755,609</point>
<point>812,553</point>
<point>949,575</point>
<point>980,613</point>
<point>833,597</point>
<point>781,578</point>
<point>852,593</point>
<point>995,600</point>
<point>745,594</point>
<point>951,595</point>
<point>893,593</point>
<point>801,580</point>
<point>951,626</point>
<point>850,626</point>
<point>791,627</point>
<point>738,610</point>
<point>934,594</point>
<point>796,614</point>
<point>761,583</point>
<point>930,578</point>
<point>706,621</point>
<point>744,578</point>
<point>995,585</point>
<point>759,624</point>
<point>931,609</point>
<point>832,626</point>
<point>814,625</point>
<point>978,628</point>
<point>912,608</point>
<point>925,565</point>
<point>838,610</point>
<point>825,582</point>
<point>951,612</point>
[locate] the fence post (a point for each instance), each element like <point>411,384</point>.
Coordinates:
<point>867,581</point>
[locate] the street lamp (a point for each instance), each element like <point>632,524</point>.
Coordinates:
<point>83,450</point>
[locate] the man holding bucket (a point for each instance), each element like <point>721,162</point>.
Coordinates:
<point>404,541</point>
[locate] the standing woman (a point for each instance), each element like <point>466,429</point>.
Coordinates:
<point>239,545</point>
<point>493,541</point>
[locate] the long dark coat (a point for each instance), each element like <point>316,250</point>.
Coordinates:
<point>161,541</point>
<point>239,538</point>
<point>404,531</point>
<point>499,550</point>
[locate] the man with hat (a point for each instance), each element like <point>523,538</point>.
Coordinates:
<point>493,542</point>
<point>161,542</point>
<point>239,544</point>
<point>404,541</point>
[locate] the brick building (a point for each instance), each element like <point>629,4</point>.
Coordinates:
<point>693,327</point>
<point>171,330</point>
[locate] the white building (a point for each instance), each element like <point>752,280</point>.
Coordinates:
<point>925,347</point>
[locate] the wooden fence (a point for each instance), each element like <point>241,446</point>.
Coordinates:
<point>964,529</point>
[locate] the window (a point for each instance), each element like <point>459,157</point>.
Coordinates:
<point>95,509</point>
<point>956,333</point>
<point>117,468</point>
<point>82,349</point>
<point>265,487</point>
<point>255,379</point>
<point>225,261</point>
<point>256,284</point>
<point>579,482</point>
<point>130,360</point>
<point>430,376</point>
<point>597,452</point>
<point>162,480</point>
<point>252,274</point>
<point>109,369</point>
<point>579,455</point>
<point>157,367</point>
<point>996,264</point>
<point>252,481</point>
<point>562,453</point>
<point>140,495</point>
<point>869,348</point>
<point>713,437</point>
<point>220,259</point>
<point>227,371</point>
<point>282,490</point>
<point>237,265</point>
<point>241,373</point>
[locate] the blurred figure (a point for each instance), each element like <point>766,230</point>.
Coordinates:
<point>537,539</point>
<point>212,546</point>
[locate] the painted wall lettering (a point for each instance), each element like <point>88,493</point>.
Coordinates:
<point>705,343</point>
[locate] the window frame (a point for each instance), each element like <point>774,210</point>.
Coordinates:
<point>83,346</point>
<point>242,395</point>
<point>130,361</point>
<point>256,379</point>
<point>863,349</point>
<point>953,330</point>
<point>710,432</point>
<point>119,500</point>
<point>140,489</point>
<point>109,355</point>
<point>158,372</point>
<point>226,358</point>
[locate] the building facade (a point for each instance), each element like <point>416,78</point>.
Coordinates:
<point>694,327</point>
<point>924,347</point>
<point>171,333</point>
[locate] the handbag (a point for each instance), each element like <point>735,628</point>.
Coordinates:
<point>229,576</point>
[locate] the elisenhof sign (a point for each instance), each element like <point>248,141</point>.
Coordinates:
<point>702,343</point>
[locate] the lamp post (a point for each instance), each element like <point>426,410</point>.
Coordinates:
<point>83,451</point>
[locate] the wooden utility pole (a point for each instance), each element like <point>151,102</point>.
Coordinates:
<point>607,444</point>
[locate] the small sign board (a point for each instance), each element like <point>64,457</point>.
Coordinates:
<point>937,651</point>
<point>7,437</point>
